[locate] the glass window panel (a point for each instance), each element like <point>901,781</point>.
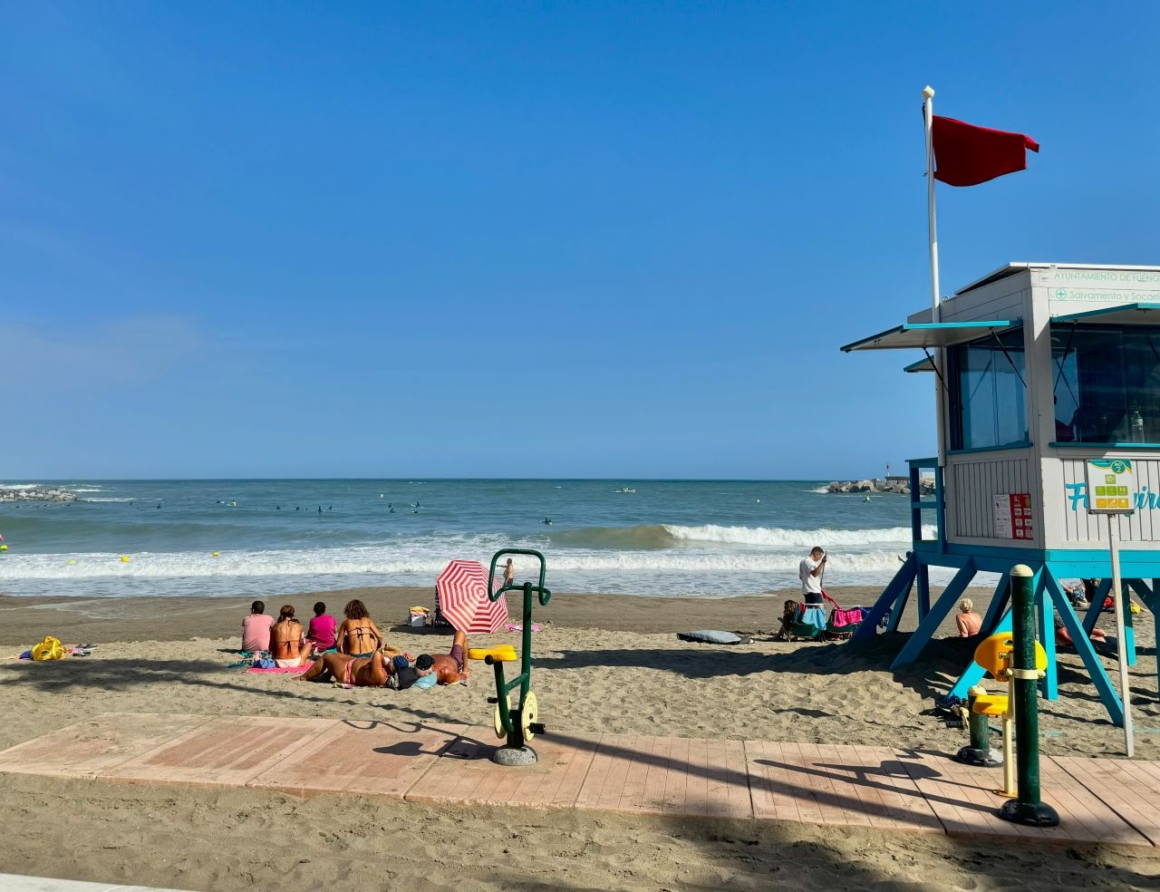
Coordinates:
<point>988,397</point>
<point>1107,387</point>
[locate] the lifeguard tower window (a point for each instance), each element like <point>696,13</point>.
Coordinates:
<point>1107,384</point>
<point>987,393</point>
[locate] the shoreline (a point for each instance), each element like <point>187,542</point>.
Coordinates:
<point>74,619</point>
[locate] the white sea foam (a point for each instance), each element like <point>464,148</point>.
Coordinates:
<point>379,562</point>
<point>105,499</point>
<point>783,538</point>
<point>20,486</point>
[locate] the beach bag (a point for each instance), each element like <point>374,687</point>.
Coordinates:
<point>417,617</point>
<point>49,649</point>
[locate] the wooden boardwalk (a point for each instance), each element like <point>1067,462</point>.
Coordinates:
<point>1112,801</point>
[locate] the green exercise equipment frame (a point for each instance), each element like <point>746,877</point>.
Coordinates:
<point>518,724</point>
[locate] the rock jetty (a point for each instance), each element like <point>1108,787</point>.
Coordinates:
<point>892,485</point>
<point>36,494</point>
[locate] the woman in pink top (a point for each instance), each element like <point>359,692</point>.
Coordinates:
<point>256,629</point>
<point>321,631</point>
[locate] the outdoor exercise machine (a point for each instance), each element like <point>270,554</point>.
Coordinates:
<point>996,654</point>
<point>1017,658</point>
<point>519,724</point>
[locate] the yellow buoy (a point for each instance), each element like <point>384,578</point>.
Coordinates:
<point>3,547</point>
<point>215,554</point>
<point>124,559</point>
<point>72,560</point>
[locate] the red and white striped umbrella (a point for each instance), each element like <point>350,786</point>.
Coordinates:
<point>463,600</point>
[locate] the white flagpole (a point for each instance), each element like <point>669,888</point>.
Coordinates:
<point>932,228</point>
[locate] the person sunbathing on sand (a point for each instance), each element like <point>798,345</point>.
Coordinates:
<point>288,644</point>
<point>362,672</point>
<point>1063,637</point>
<point>383,668</point>
<point>968,622</point>
<point>451,667</point>
<point>358,635</point>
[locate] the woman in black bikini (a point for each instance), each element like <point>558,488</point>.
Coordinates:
<point>358,635</point>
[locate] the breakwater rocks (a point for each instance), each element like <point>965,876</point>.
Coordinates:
<point>35,494</point>
<point>893,485</point>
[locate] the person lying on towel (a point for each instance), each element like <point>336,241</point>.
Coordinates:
<point>387,667</point>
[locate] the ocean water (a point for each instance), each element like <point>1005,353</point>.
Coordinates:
<point>679,538</point>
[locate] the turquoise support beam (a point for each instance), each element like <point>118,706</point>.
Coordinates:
<point>999,602</point>
<point>934,618</point>
<point>896,614</point>
<point>899,586</point>
<point>1083,647</point>
<point>974,673</point>
<point>922,587</point>
<point>1124,603</point>
<point>1140,587</point>
<point>1093,614</point>
<point>1049,684</point>
<point>1147,595</point>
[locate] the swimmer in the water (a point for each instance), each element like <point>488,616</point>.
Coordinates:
<point>548,521</point>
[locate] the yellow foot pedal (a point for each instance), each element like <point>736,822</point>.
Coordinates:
<point>501,653</point>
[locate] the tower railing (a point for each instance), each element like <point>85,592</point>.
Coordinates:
<point>919,503</point>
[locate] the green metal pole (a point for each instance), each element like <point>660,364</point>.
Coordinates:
<point>1027,809</point>
<point>527,648</point>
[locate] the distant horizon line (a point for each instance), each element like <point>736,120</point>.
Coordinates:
<point>419,479</point>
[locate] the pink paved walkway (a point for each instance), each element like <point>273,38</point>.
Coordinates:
<point>1099,800</point>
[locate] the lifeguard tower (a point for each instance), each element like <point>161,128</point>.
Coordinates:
<point>1043,367</point>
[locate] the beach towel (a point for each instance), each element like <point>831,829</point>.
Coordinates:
<point>841,618</point>
<point>288,670</point>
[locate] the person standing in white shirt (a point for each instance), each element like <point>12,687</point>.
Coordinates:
<point>810,572</point>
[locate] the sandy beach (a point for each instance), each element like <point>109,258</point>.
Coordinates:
<point>603,663</point>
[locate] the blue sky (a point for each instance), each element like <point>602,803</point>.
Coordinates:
<point>462,239</point>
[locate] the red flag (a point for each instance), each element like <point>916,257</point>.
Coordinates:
<point>967,155</point>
